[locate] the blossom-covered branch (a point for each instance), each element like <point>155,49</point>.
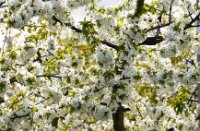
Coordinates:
<point>80,31</point>
<point>139,8</point>
<point>189,25</point>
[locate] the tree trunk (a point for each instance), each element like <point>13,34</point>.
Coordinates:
<point>118,119</point>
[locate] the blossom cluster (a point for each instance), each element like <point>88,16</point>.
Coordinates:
<point>56,76</point>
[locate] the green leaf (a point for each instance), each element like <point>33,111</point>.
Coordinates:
<point>108,75</point>
<point>31,80</point>
<point>2,86</point>
<point>13,55</point>
<point>71,109</point>
<point>146,90</point>
<point>179,101</point>
<point>177,27</point>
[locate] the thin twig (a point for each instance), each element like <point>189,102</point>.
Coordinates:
<point>152,40</point>
<point>190,15</point>
<point>35,25</point>
<point>159,26</point>
<point>193,93</point>
<point>1,4</point>
<point>139,112</point>
<point>55,76</point>
<point>170,10</point>
<point>16,116</point>
<point>172,95</point>
<point>42,101</point>
<point>189,25</point>
<point>192,100</point>
<point>139,8</point>
<point>80,31</point>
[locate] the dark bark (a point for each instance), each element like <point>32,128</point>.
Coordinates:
<point>159,26</point>
<point>49,76</point>
<point>139,8</point>
<point>118,116</point>
<point>170,129</point>
<point>189,25</point>
<point>118,119</point>
<point>152,40</point>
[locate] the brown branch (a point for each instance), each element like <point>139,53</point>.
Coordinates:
<point>102,41</point>
<point>118,116</point>
<point>55,76</point>
<point>42,101</point>
<point>160,17</point>
<point>128,36</point>
<point>76,29</point>
<point>126,109</point>
<point>38,56</point>
<point>56,20</point>
<point>194,26</point>
<point>32,25</point>
<point>118,119</point>
<point>13,79</point>
<point>189,25</point>
<point>192,100</point>
<point>172,95</point>
<point>189,13</point>
<point>170,10</point>
<point>139,8</point>
<point>152,40</point>
<point>16,116</point>
<point>157,39</point>
<point>159,26</point>
<point>124,78</point>
<point>1,4</point>
<point>139,112</point>
<point>170,129</point>
<point>193,93</point>
<point>110,45</point>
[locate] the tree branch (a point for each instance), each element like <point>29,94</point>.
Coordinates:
<point>189,25</point>
<point>157,39</point>
<point>103,41</point>
<point>159,26</point>
<point>170,129</point>
<point>16,116</point>
<point>55,76</point>
<point>189,13</point>
<point>170,10</point>
<point>13,79</point>
<point>1,4</point>
<point>173,95</point>
<point>139,112</point>
<point>190,99</point>
<point>167,24</point>
<point>80,31</point>
<point>118,116</point>
<point>110,45</point>
<point>194,26</point>
<point>39,56</point>
<point>152,40</point>
<point>42,101</point>
<point>139,8</point>
<point>118,119</point>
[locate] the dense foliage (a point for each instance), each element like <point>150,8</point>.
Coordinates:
<point>129,67</point>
